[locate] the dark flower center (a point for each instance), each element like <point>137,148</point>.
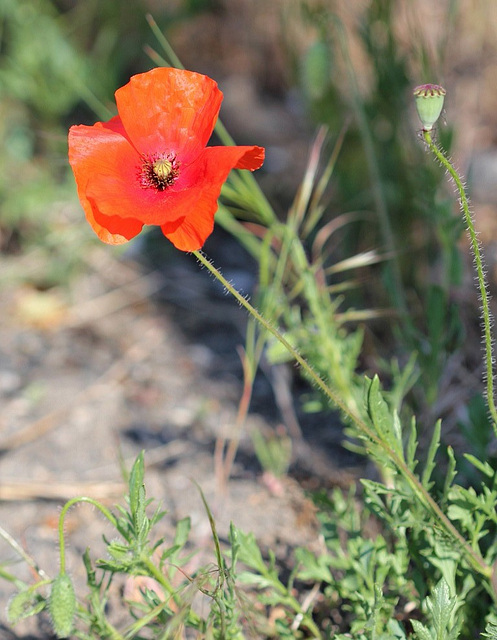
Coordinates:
<point>158,172</point>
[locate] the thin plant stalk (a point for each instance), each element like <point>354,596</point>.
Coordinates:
<point>225,452</point>
<point>65,509</point>
<point>473,557</point>
<point>480,273</point>
<point>25,556</point>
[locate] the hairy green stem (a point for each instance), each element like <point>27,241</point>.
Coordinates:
<point>65,509</point>
<point>480,272</point>
<point>157,575</point>
<point>315,378</point>
<point>473,557</point>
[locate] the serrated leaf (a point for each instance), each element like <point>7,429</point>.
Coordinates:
<point>136,488</point>
<point>254,579</point>
<point>118,550</point>
<point>422,632</point>
<point>91,576</point>
<point>450,474</point>
<point>313,567</point>
<point>381,416</point>
<point>490,631</point>
<point>441,606</point>
<point>377,407</point>
<point>447,561</point>
<point>484,467</point>
<point>249,552</point>
<point>463,503</point>
<point>397,430</point>
<point>140,519</point>
<point>169,552</point>
<point>395,630</point>
<point>157,516</point>
<point>432,452</point>
<point>412,445</point>
<point>235,545</point>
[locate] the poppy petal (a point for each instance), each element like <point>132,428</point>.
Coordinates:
<point>106,167</point>
<point>113,229</point>
<point>190,236</point>
<point>198,204</point>
<point>169,110</point>
<point>83,141</point>
<point>252,159</point>
<point>149,165</point>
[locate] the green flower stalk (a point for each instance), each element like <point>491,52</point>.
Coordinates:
<point>429,103</point>
<point>472,556</point>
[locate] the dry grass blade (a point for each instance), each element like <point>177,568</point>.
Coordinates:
<point>18,490</point>
<point>364,259</point>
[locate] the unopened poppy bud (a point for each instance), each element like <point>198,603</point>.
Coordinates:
<point>429,103</point>
<point>62,605</point>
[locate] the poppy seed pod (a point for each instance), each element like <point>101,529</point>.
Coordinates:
<point>429,103</point>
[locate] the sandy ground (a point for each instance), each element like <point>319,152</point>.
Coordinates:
<point>136,359</point>
<point>139,361</point>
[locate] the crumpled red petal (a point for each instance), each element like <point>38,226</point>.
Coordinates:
<point>199,204</point>
<point>168,109</point>
<point>83,143</point>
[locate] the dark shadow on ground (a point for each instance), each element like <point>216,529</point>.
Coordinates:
<point>214,323</point>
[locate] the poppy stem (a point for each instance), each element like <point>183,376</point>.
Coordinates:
<point>65,509</point>
<point>480,273</point>
<point>474,559</point>
<point>242,300</point>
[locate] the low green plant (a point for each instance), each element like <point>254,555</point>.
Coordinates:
<point>167,603</point>
<point>432,559</point>
<point>409,553</point>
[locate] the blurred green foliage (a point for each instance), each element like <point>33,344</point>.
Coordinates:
<point>60,63</point>
<point>410,546</point>
<point>400,202</point>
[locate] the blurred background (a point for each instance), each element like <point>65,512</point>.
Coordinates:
<point>87,357</point>
<point>284,67</point>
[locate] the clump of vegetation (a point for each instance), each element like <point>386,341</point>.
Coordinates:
<point>410,551</point>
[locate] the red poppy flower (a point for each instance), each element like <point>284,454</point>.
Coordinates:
<point>150,165</point>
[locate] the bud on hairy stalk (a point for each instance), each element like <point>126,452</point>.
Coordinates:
<point>429,103</point>
<point>62,605</point>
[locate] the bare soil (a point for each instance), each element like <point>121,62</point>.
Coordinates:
<point>143,360</point>
<point>138,357</point>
